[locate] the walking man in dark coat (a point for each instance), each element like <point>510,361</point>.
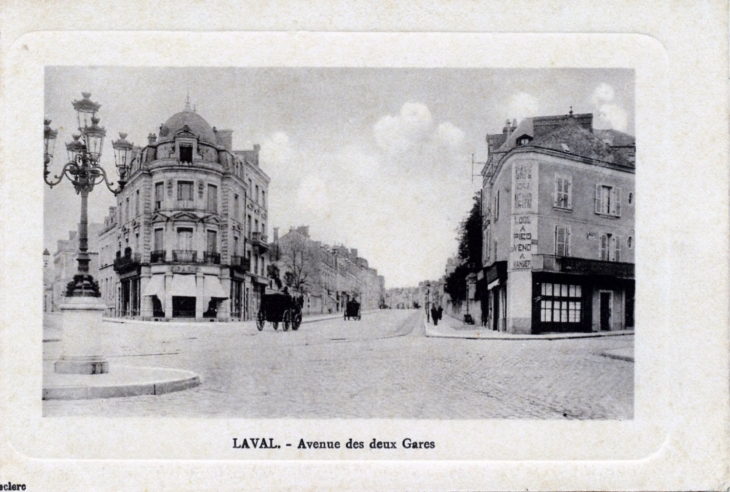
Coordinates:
<point>434,315</point>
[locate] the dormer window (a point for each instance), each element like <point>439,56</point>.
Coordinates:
<point>565,147</point>
<point>523,141</point>
<point>186,153</point>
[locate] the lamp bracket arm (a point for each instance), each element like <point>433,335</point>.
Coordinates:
<point>58,178</point>
<point>109,185</point>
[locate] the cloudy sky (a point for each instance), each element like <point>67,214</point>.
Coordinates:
<point>377,159</point>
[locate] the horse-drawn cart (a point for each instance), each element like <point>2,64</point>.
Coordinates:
<point>279,307</point>
<point>352,310</point>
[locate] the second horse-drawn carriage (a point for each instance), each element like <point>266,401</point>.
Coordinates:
<point>352,310</point>
<point>280,307</point>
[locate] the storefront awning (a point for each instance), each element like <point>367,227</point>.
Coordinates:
<point>156,287</point>
<point>493,284</point>
<point>184,286</point>
<point>213,288</point>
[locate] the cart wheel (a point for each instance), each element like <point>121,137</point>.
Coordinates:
<point>296,322</point>
<point>275,325</point>
<point>260,320</point>
<point>286,320</point>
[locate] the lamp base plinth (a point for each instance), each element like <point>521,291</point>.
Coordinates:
<point>81,365</point>
<point>81,343</point>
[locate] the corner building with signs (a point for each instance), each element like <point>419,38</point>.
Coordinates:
<point>187,238</point>
<point>558,204</point>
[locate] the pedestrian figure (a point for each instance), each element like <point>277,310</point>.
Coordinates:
<point>440,312</point>
<point>435,315</point>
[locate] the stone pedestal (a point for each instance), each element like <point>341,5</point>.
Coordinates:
<point>81,350</point>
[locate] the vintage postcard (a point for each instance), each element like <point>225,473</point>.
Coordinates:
<point>280,255</point>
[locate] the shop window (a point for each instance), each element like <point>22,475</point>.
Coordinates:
<point>560,303</point>
<point>563,192</point>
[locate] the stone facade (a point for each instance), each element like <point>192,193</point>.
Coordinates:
<point>187,238</point>
<point>327,276</point>
<point>558,204</point>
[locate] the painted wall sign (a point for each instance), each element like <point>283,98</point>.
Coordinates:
<point>523,239</point>
<point>184,269</point>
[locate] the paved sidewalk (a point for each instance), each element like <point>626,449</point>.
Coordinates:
<point>307,318</point>
<point>450,327</point>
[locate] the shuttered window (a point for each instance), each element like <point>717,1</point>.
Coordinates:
<point>608,200</point>
<point>563,192</point>
<point>562,241</point>
<point>609,247</point>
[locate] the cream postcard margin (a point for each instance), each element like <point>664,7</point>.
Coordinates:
<point>677,362</point>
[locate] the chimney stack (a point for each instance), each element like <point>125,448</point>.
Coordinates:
<point>151,138</point>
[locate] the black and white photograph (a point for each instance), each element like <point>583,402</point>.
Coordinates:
<point>474,246</point>
<point>339,243</point>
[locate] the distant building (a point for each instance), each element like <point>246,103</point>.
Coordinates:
<point>327,276</point>
<point>558,203</point>
<point>65,266</point>
<point>187,238</point>
<point>47,282</point>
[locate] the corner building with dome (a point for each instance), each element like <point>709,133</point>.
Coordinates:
<point>187,238</point>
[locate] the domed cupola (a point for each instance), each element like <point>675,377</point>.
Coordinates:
<point>188,121</point>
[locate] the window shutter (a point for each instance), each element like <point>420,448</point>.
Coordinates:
<point>569,191</point>
<point>567,241</point>
<point>617,253</point>
<point>557,191</point>
<point>597,199</point>
<point>618,202</point>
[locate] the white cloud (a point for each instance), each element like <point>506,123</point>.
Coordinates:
<point>450,135</point>
<point>604,93</point>
<point>391,201</point>
<point>399,134</point>
<point>614,116</point>
<point>522,105</point>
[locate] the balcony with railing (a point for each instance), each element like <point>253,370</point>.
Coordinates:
<point>259,240</point>
<point>241,263</point>
<point>212,257</point>
<point>127,262</point>
<point>158,256</point>
<point>184,256</point>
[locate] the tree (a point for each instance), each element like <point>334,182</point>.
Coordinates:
<point>470,253</point>
<point>298,257</point>
<point>272,271</point>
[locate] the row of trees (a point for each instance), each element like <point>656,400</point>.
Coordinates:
<point>469,255</point>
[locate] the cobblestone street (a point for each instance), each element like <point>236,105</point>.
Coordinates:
<point>380,367</point>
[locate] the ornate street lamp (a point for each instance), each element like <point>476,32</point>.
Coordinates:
<point>84,171</point>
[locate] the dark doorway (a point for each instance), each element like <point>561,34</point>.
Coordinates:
<point>183,307</point>
<point>605,310</point>
<point>157,310</point>
<point>495,312</point>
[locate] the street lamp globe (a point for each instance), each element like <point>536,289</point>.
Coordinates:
<point>86,109</point>
<point>94,136</point>
<point>122,156</point>
<point>75,148</point>
<point>49,140</point>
